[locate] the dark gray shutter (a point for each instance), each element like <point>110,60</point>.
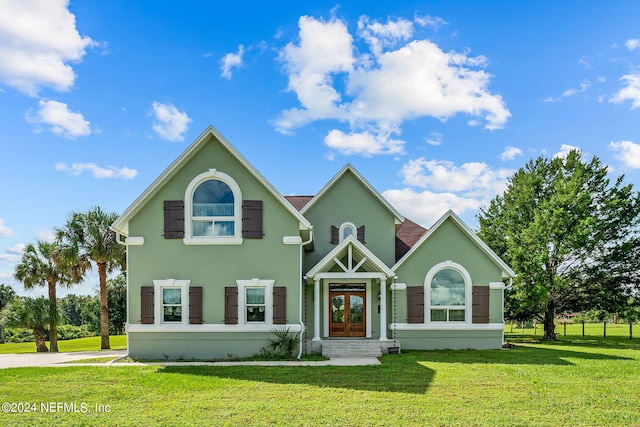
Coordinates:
<point>415,304</point>
<point>480,304</point>
<point>173,219</point>
<point>335,235</point>
<point>279,305</point>
<point>252,219</point>
<point>146,305</point>
<point>195,305</point>
<point>361,234</point>
<point>231,305</point>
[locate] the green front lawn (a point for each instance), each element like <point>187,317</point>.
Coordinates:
<point>571,382</point>
<point>118,342</point>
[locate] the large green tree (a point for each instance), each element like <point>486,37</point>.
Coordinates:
<point>87,236</point>
<point>7,294</point>
<point>41,265</point>
<point>32,314</point>
<point>570,234</point>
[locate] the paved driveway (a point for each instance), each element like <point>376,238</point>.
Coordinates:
<point>47,359</point>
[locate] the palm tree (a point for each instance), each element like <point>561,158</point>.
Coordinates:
<point>87,237</point>
<point>6,295</point>
<point>30,313</point>
<point>41,265</point>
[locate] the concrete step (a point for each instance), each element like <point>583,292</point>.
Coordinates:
<point>350,348</point>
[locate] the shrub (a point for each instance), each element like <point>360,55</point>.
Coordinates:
<point>281,342</point>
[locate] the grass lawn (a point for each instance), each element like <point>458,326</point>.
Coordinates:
<point>574,381</point>
<point>118,342</point>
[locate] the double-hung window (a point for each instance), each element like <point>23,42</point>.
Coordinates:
<point>171,304</point>
<point>255,304</point>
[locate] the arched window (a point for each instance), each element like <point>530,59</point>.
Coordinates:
<point>214,205</point>
<point>448,291</point>
<point>347,229</point>
<point>213,209</point>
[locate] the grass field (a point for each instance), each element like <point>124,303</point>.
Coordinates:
<point>118,342</point>
<point>575,381</point>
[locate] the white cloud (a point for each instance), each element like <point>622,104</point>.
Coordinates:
<point>426,207</point>
<point>231,61</point>
<point>379,36</point>
<point>398,80</point>
<point>629,93</point>
<point>564,150</point>
<point>4,230</point>
<point>627,152</point>
<point>475,179</point>
<point>434,22</point>
<point>38,40</point>
<point>60,119</point>
<point>45,235</point>
<point>363,143</point>
<point>632,44</point>
<point>510,153</point>
<point>434,138</point>
<point>572,91</point>
<point>170,123</point>
<point>13,254</point>
<point>76,169</point>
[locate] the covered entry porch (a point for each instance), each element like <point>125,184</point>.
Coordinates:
<point>350,301</point>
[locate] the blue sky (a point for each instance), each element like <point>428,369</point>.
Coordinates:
<point>435,103</point>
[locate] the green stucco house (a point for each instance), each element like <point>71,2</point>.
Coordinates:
<point>217,258</point>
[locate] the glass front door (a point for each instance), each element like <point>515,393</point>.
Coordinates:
<point>347,313</point>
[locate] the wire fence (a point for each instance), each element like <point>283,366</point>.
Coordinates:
<point>583,329</point>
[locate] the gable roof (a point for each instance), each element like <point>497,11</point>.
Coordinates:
<point>298,202</point>
<point>121,225</point>
<point>407,235</point>
<point>507,272</point>
<point>352,246</point>
<point>348,168</point>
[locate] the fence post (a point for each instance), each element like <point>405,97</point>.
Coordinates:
<point>583,329</point>
<point>523,326</point>
<point>605,329</point>
<point>630,330</point>
<point>565,328</point>
<point>535,328</point>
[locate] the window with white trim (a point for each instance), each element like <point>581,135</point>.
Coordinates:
<point>255,304</point>
<point>448,294</point>
<point>171,304</point>
<point>213,205</point>
<point>347,229</point>
<point>171,301</point>
<point>255,301</point>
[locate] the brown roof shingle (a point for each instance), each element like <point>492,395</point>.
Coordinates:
<point>407,235</point>
<point>298,202</point>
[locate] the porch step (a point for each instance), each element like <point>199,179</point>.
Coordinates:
<point>351,348</point>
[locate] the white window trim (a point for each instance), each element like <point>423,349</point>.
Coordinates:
<point>345,225</point>
<point>268,300</point>
<point>189,239</point>
<point>468,294</point>
<point>158,285</point>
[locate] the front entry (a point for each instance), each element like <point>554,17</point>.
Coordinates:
<point>347,311</point>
